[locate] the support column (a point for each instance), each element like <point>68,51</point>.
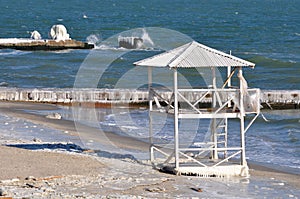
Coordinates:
<point>229,79</point>
<point>242,121</point>
<point>214,137</point>
<point>225,136</point>
<point>150,112</point>
<point>228,73</point>
<point>176,135</point>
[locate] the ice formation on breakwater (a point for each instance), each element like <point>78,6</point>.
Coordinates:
<point>277,99</point>
<point>59,32</point>
<point>60,40</point>
<point>130,42</point>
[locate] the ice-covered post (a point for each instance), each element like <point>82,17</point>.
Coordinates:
<point>242,122</point>
<point>176,137</point>
<point>150,112</point>
<point>214,120</point>
<point>229,73</point>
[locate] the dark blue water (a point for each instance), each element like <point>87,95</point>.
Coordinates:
<point>264,32</point>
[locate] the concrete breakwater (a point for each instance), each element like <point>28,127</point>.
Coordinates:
<point>273,99</point>
<point>30,44</point>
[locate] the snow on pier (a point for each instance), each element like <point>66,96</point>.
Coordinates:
<point>274,99</point>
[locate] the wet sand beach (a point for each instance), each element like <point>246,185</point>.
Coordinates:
<point>82,173</point>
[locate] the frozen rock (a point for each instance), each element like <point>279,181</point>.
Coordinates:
<point>130,42</point>
<point>36,140</point>
<point>55,116</point>
<point>59,32</point>
<point>30,178</point>
<point>2,192</point>
<point>35,35</point>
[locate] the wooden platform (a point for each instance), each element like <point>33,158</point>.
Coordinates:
<point>30,44</point>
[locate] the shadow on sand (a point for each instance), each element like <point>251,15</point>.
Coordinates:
<point>52,146</point>
<point>71,147</point>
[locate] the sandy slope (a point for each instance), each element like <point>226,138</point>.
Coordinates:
<point>22,163</point>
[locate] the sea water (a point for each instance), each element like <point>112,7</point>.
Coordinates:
<point>266,33</point>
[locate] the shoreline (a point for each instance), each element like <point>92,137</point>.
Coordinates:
<point>17,109</point>
<point>116,165</point>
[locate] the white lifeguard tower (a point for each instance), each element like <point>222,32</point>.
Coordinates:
<point>227,102</point>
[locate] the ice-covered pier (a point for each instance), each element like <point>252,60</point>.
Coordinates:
<point>59,40</point>
<point>274,99</point>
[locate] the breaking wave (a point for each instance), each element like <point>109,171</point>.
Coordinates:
<point>10,52</point>
<point>94,39</point>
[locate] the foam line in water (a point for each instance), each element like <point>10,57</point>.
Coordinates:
<point>13,52</point>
